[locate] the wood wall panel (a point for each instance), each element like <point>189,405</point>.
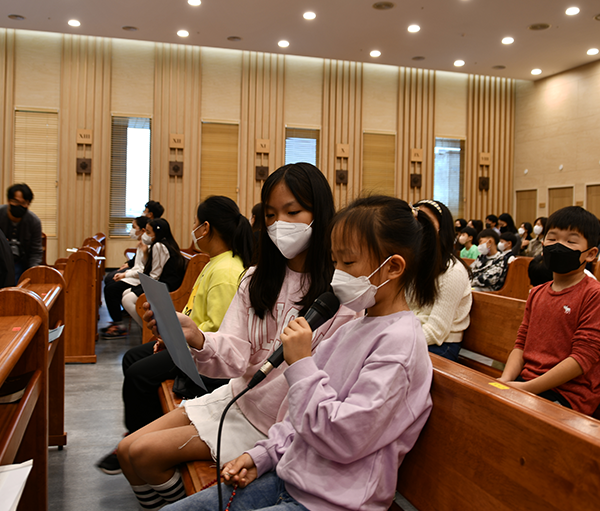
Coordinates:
<point>263,76</point>
<point>177,102</point>
<point>490,129</point>
<point>416,129</point>
<point>342,124</point>
<point>7,81</point>
<point>85,104</point>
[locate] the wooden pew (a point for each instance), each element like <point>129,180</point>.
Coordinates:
<point>516,284</point>
<point>488,447</point>
<point>492,330</point>
<point>24,424</point>
<point>180,297</point>
<point>49,285</point>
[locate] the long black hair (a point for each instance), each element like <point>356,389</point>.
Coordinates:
<point>388,226</point>
<point>310,188</point>
<point>510,223</point>
<point>162,234</point>
<point>446,233</point>
<point>223,215</point>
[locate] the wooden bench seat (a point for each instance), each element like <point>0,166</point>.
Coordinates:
<point>489,447</point>
<point>516,284</point>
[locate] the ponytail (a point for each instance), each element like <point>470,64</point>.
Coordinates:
<point>429,263</point>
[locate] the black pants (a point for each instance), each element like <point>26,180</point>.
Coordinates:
<point>551,395</point>
<point>144,372</point>
<point>113,291</point>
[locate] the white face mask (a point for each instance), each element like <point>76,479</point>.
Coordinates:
<point>537,230</point>
<point>146,239</point>
<point>501,246</point>
<point>290,238</point>
<point>356,293</point>
<point>133,235</point>
<point>483,249</point>
<point>196,240</point>
<point>463,240</point>
<point>521,231</point>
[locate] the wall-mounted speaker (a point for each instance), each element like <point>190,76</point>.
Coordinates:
<point>84,165</point>
<point>416,180</point>
<point>262,173</point>
<point>341,177</point>
<point>175,168</point>
<point>484,184</point>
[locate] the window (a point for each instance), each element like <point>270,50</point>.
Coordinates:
<point>449,175</point>
<point>36,163</point>
<point>129,172</point>
<point>301,145</point>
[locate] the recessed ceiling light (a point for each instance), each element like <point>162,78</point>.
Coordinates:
<point>539,26</point>
<point>383,6</point>
<point>234,38</point>
<point>283,43</point>
<point>129,28</point>
<point>16,17</point>
<point>536,71</point>
<point>499,67</point>
<point>459,63</point>
<point>375,53</point>
<point>74,23</point>
<point>572,11</point>
<point>309,15</point>
<point>508,40</point>
<point>195,3</point>
<point>183,33</point>
<point>593,51</point>
<point>418,57</point>
<point>414,28</point>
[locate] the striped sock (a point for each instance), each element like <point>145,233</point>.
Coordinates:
<point>149,500</point>
<point>172,490</point>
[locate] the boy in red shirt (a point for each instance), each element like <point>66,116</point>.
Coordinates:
<point>557,351</point>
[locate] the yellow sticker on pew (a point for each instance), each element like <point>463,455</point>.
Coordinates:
<point>498,385</point>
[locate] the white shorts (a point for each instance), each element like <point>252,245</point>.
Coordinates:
<point>238,435</point>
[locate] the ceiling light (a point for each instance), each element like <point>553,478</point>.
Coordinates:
<point>508,40</point>
<point>536,71</point>
<point>309,15</point>
<point>375,53</point>
<point>593,51</point>
<point>383,6</point>
<point>195,3</point>
<point>572,11</point>
<point>283,43</point>
<point>16,17</point>
<point>183,33</point>
<point>74,23</point>
<point>539,26</point>
<point>414,28</point>
<point>459,63</point>
<point>129,28</point>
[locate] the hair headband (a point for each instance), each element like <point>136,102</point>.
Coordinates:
<point>431,203</point>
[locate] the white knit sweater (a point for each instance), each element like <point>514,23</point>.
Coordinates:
<point>448,317</point>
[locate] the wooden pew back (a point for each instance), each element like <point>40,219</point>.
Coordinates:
<point>486,448</point>
<point>516,284</point>
<point>493,328</point>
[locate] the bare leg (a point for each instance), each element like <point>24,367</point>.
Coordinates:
<point>151,454</point>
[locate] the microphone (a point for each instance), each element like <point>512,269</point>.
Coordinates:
<point>322,310</point>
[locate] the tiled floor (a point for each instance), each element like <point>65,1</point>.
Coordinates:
<point>94,425</point>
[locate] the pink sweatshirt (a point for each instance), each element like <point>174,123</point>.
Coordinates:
<point>355,409</point>
<point>243,343</point>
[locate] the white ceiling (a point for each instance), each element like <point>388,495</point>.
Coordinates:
<point>470,30</point>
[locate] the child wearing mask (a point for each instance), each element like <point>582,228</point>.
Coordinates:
<point>466,238</point>
<point>505,246</point>
<point>489,269</point>
<point>557,351</point>
<point>536,244</point>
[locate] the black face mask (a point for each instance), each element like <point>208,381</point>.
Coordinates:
<point>504,229</point>
<point>18,211</point>
<point>488,225</point>
<point>561,259</point>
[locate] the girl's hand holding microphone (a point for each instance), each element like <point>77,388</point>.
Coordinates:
<point>297,340</point>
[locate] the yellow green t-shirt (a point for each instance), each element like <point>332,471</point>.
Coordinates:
<point>213,291</point>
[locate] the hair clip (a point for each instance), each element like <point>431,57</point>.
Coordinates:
<point>415,211</point>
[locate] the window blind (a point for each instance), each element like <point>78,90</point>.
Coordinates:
<point>379,163</point>
<point>219,160</point>
<point>301,145</point>
<point>449,174</point>
<point>36,162</point>
<point>123,172</point>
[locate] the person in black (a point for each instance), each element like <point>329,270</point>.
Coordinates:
<point>7,265</point>
<point>22,228</point>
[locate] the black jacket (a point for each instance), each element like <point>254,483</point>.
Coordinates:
<point>30,236</point>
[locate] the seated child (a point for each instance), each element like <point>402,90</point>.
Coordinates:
<point>557,351</point>
<point>508,241</point>
<point>489,269</point>
<point>466,239</point>
<point>356,406</point>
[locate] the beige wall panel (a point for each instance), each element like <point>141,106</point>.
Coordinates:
<point>132,88</point>
<point>52,250</point>
<point>177,101</point>
<point>592,203</point>
<point>380,98</point>
<point>37,69</point>
<point>303,91</point>
<point>115,251</point>
<point>221,84</point>
<point>85,104</point>
<point>451,91</point>
<point>263,106</point>
<point>7,67</point>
